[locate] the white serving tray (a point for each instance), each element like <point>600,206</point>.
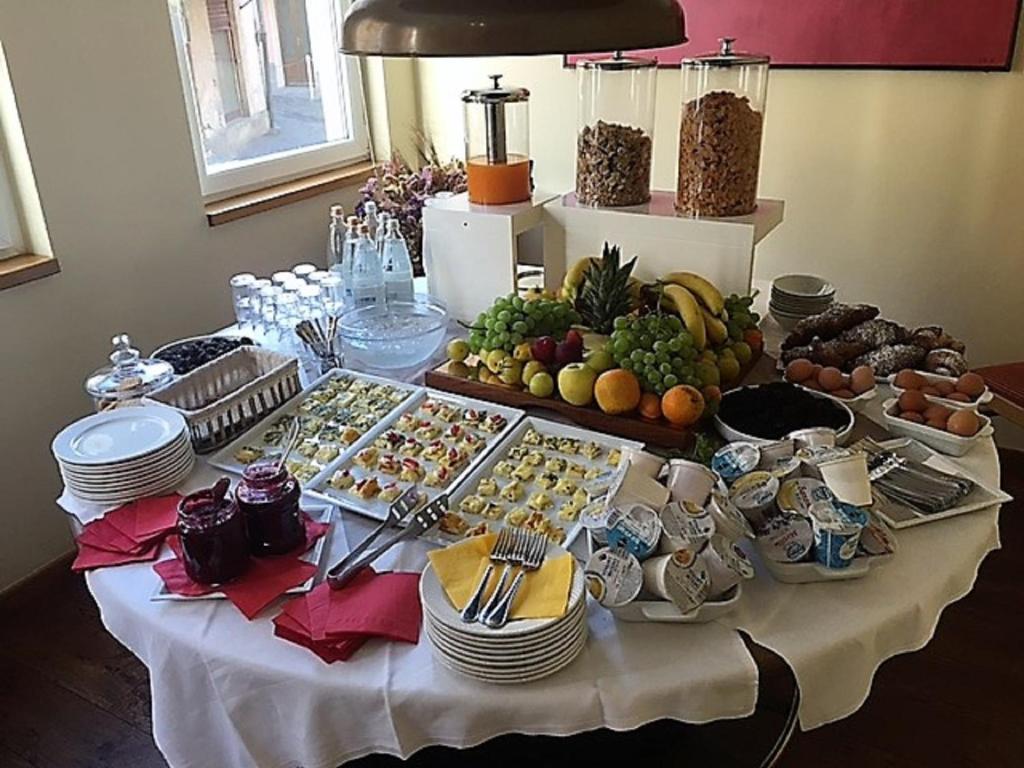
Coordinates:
<point>664,612</point>
<point>983,398</point>
<point>809,573</point>
<point>468,485</point>
<point>855,404</point>
<point>321,513</point>
<point>378,509</point>
<point>940,440</point>
<point>898,516</point>
<point>225,457</point>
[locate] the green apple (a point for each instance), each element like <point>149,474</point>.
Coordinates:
<point>458,350</point>
<point>531,369</point>
<point>541,384</point>
<point>495,360</point>
<point>459,368</point>
<point>600,360</point>
<point>522,352</point>
<point>576,383</point>
<point>511,371</point>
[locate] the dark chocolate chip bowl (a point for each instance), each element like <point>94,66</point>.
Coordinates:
<point>765,412</point>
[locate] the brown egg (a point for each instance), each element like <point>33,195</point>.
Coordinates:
<point>945,388</point>
<point>862,379</point>
<point>971,384</point>
<point>937,413</point>
<point>928,389</point>
<point>913,416</point>
<point>799,370</point>
<point>908,379</point>
<point>964,423</point>
<point>830,379</point>
<point>817,371</point>
<point>936,423</point>
<point>812,384</point>
<point>844,393</point>
<point>960,397</point>
<point>912,400</point>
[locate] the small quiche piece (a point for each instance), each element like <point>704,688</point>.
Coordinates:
<point>366,458</point>
<point>487,487</point>
<point>342,480</point>
<point>390,492</point>
<point>247,454</point>
<point>454,524</point>
<point>367,488</point>
<point>513,492</point>
<point>540,501</point>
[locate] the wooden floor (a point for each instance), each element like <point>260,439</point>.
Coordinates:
<point>71,697</point>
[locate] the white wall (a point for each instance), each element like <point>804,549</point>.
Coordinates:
<point>103,114</point>
<point>904,188</point>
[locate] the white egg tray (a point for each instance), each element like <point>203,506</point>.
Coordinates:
<point>855,404</point>
<point>939,439</point>
<point>931,378</point>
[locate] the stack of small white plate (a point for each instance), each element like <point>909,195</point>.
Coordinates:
<point>124,454</point>
<point>795,297</point>
<point>519,652</point>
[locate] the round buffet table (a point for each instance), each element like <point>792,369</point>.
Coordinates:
<point>227,692</point>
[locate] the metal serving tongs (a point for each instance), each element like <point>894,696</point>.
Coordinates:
<point>422,521</point>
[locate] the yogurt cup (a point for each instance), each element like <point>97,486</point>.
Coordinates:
<point>798,496</point>
<point>786,538</point>
<point>836,536</point>
<point>772,453</point>
<point>684,524</point>
<point>727,565</point>
<point>681,578</point>
<point>636,528</point>
<point>735,459</point>
<point>784,469</point>
<point>613,577</point>
<point>813,436</point>
<point>690,481</point>
<point>847,478</point>
<point>729,521</point>
<point>754,495</point>
<point>647,463</point>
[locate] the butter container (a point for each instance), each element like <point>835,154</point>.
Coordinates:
<point>754,495</point>
<point>786,538</point>
<point>613,577</point>
<point>727,565</point>
<point>636,528</point>
<point>681,578</point>
<point>729,521</point>
<point>690,481</point>
<point>684,524</point>
<point>735,459</point>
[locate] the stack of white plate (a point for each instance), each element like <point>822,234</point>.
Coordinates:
<point>125,454</point>
<point>795,297</point>
<point>520,651</point>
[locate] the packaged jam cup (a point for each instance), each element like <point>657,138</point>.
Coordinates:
<point>727,565</point>
<point>681,578</point>
<point>647,463</point>
<point>729,521</point>
<point>684,524</point>
<point>613,577</point>
<point>754,495</point>
<point>786,538</point>
<point>636,528</point>
<point>836,534</point>
<point>812,437</point>
<point>690,481</point>
<point>735,459</point>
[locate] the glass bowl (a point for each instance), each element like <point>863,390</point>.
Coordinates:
<point>399,334</point>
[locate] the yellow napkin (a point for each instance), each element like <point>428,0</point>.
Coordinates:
<point>543,595</point>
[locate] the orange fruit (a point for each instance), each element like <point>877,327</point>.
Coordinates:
<point>650,406</point>
<point>682,405</point>
<point>617,391</point>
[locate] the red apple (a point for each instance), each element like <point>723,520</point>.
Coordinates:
<point>566,352</point>
<point>543,349</point>
<point>574,337</point>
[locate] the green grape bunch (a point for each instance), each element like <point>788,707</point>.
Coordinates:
<point>511,320</point>
<point>741,316</point>
<point>657,349</point>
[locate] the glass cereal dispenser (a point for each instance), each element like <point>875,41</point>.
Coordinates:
<point>720,132</point>
<point>615,130</point>
<point>497,144</point>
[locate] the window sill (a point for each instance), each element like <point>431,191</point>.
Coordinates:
<point>17,270</point>
<point>251,203</point>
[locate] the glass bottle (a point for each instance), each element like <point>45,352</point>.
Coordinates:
<point>335,236</point>
<point>367,274</point>
<point>397,265</point>
<point>382,232</point>
<point>348,256</point>
<point>214,545</point>
<point>497,122</point>
<point>269,500</point>
<point>370,218</point>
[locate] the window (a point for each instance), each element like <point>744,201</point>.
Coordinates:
<point>269,96</point>
<point>10,231</point>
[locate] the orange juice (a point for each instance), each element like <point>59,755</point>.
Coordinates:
<point>499,184</point>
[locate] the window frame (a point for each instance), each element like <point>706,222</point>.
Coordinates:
<point>10,216</point>
<point>283,166</point>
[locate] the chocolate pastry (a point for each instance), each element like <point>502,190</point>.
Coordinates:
<point>931,337</point>
<point>947,362</point>
<point>892,358</point>
<point>830,323</point>
<point>876,333</point>
<point>793,353</point>
<point>836,352</point>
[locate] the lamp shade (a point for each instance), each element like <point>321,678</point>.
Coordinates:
<point>509,27</point>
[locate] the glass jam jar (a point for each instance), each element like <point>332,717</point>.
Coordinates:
<point>269,499</point>
<point>213,539</point>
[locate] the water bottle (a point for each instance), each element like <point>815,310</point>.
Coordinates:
<point>370,219</point>
<point>397,265</point>
<point>335,236</point>
<point>382,232</point>
<point>367,276</point>
<point>348,255</point>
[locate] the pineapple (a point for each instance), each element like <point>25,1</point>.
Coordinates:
<point>607,290</point>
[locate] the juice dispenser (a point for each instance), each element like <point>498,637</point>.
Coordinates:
<point>497,122</point>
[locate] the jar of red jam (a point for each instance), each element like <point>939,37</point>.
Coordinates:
<point>269,499</point>
<point>213,538</point>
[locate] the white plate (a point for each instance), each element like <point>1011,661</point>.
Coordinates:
<point>983,398</point>
<point>118,435</point>
<point>121,495</point>
<point>322,514</point>
<point>536,673</point>
<point>663,611</point>
<point>855,404</point>
<point>119,477</point>
<point>733,435</point>
<point>939,439</point>
<point>434,598</point>
<point>802,286</point>
<point>175,448</point>
<point>507,662</point>
<point>498,646</point>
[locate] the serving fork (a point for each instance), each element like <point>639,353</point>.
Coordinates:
<point>531,557</point>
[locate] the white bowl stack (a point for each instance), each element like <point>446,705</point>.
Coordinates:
<point>125,454</point>
<point>795,297</point>
<point>519,652</point>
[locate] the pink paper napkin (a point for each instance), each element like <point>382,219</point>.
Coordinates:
<point>266,578</point>
<point>128,534</point>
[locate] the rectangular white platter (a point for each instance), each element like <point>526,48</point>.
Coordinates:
<point>321,513</point>
<point>377,508</point>
<point>554,431</point>
<point>403,394</point>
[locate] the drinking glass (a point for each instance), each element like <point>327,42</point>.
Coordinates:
<point>241,297</point>
<point>310,303</point>
<point>280,278</point>
<point>317,277</point>
<point>303,270</point>
<point>268,308</point>
<point>287,317</point>
<point>332,295</point>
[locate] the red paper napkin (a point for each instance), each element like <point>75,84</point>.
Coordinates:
<point>266,578</point>
<point>334,624</point>
<point>129,534</point>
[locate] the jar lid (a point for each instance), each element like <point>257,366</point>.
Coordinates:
<point>129,375</point>
<point>726,57</point>
<point>496,94</point>
<point>618,62</point>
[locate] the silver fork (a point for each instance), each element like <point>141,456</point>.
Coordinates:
<point>516,553</point>
<point>499,555</point>
<point>534,554</point>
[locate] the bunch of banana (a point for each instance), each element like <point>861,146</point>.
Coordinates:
<point>700,305</point>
